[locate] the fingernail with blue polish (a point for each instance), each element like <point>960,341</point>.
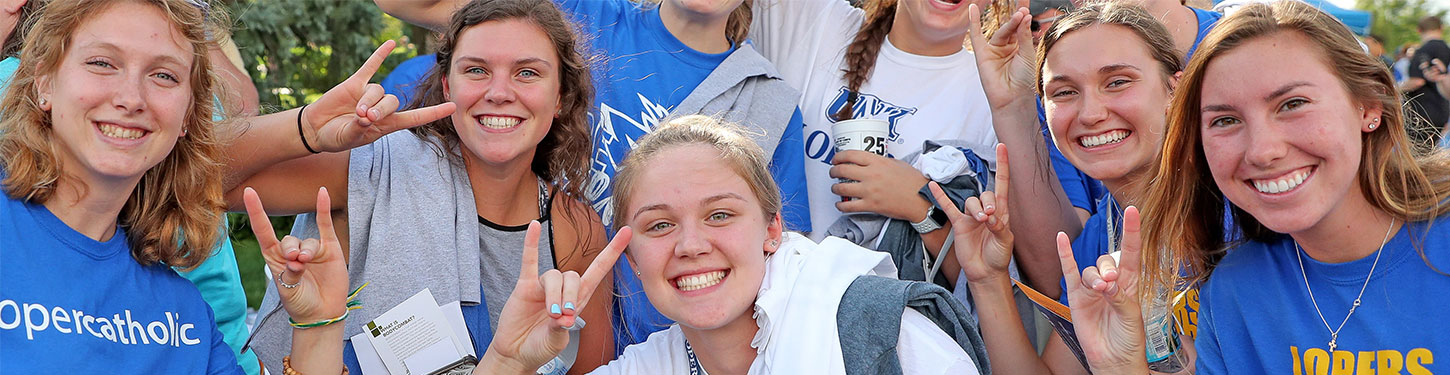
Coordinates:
<point>554,309</point>
<point>569,306</point>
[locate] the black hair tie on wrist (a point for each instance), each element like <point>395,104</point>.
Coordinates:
<point>299,131</point>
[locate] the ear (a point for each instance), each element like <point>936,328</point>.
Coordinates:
<point>1173,81</point>
<point>1371,118</point>
<point>445,88</point>
<point>774,234</point>
<point>43,90</point>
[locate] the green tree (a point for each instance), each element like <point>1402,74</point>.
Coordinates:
<point>1395,20</point>
<point>295,50</point>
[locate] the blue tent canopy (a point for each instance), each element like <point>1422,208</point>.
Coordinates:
<point>1357,20</point>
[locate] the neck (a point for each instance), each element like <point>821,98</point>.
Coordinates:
<point>505,193</point>
<point>91,207</point>
<point>725,350</point>
<point>1351,231</point>
<point>704,33</point>
<point>1429,35</point>
<point>914,41</point>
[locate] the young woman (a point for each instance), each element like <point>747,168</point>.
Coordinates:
<point>1285,116</point>
<point>1107,72</point>
<point>513,150</point>
<point>712,254</point>
<point>662,58</point>
<point>112,176</point>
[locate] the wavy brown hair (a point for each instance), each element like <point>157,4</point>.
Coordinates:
<point>743,155</point>
<point>1185,207</point>
<point>861,54</point>
<point>173,214</point>
<point>1153,34</point>
<point>563,155</point>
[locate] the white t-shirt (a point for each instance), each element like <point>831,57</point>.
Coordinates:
<point>923,97</point>
<point>921,347</point>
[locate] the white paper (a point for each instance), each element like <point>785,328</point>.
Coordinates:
<point>413,337</point>
<point>453,311</point>
<point>367,357</point>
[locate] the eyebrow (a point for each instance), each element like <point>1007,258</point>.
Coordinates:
<point>1106,69</point>
<point>707,200</point>
<point>522,61</point>
<point>1285,89</point>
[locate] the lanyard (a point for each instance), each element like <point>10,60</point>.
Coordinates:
<point>695,368</point>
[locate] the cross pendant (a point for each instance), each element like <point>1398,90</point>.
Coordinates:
<point>1332,339</point>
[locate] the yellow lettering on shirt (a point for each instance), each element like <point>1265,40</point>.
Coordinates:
<point>1416,360</point>
<point>1185,310</point>
<point>1317,361</point>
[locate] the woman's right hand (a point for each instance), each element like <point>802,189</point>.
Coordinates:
<point>533,326</point>
<point>355,112</point>
<point>982,235</point>
<point>1006,62</point>
<point>1106,312</point>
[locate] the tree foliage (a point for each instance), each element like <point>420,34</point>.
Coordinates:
<point>1394,20</point>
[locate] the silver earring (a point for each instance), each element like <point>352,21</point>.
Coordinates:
<point>42,101</point>
<point>774,243</point>
<point>1374,124</point>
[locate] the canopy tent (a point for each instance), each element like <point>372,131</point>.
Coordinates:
<point>1357,20</point>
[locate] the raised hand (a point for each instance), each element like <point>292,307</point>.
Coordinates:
<point>313,277</point>
<point>983,239</point>
<point>533,326</point>
<point>883,185</point>
<point>355,112</point>
<point>1006,62</point>
<point>1106,311</point>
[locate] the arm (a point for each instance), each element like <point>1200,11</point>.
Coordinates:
<point>582,232</point>
<point>270,154</point>
<point>888,187</point>
<point>1005,63</point>
<point>431,14</point>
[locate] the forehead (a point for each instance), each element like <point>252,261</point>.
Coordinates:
<point>135,29</point>
<point>506,40</point>
<point>683,175</point>
<point>1264,64</point>
<point>1084,51</point>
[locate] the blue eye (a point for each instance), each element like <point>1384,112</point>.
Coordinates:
<point>659,226</point>
<point>100,63</point>
<point>168,77</point>
<point>474,70</point>
<point>718,216</point>
<point>1118,83</point>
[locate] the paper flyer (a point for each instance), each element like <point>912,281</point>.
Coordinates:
<point>415,337</point>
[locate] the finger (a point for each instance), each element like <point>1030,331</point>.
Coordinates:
<point>603,263</point>
<point>1108,267</point>
<point>1093,279</point>
<point>848,189</point>
<point>415,117</point>
<point>1024,33</point>
<point>1069,266</point>
<point>369,101</point>
<point>370,67</point>
<point>1132,242</point>
<point>974,208</point>
<point>945,203</point>
<point>847,171</point>
<point>571,292</point>
<point>530,259</point>
<point>1004,36</point>
<point>298,263</point>
<point>553,283</point>
<point>1003,178</point>
<point>261,225</point>
<point>284,259</point>
<point>385,107</point>
<point>974,28</point>
<point>857,157</point>
<point>989,202</point>
<point>854,205</point>
<point>324,217</point>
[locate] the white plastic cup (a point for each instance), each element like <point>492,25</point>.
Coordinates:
<point>866,134</point>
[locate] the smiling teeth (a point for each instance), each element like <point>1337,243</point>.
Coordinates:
<point>492,122</point>
<point>114,131</point>
<point>1282,185</point>
<point>1103,139</point>
<point>700,281</point>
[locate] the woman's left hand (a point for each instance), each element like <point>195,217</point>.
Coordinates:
<point>883,185</point>
<point>313,278</point>
<point>983,235</point>
<point>1105,306</point>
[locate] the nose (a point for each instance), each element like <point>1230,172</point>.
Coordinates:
<point>128,96</point>
<point>500,91</point>
<point>692,242</point>
<point>1265,144</point>
<point>1094,109</point>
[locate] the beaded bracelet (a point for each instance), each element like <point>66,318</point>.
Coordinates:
<point>352,304</point>
<point>288,370</point>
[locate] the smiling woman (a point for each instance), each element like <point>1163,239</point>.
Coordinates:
<point>112,177</point>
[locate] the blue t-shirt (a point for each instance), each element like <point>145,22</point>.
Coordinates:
<point>71,304</point>
<point>405,78</point>
<point>646,72</point>
<point>1256,315</point>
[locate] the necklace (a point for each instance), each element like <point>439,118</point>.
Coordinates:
<point>1334,332</point>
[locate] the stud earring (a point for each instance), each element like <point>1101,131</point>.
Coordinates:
<point>1374,124</point>
<point>42,101</point>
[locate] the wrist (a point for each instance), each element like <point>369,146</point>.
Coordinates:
<point>994,283</point>
<point>494,363</point>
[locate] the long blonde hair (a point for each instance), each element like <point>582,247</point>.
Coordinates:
<point>174,212</point>
<point>1184,207</point>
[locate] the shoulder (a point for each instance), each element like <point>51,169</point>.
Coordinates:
<point>662,353</point>
<point>579,231</point>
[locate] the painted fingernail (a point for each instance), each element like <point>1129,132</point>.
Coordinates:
<point>554,309</point>
<point>989,207</point>
<point>569,306</point>
<point>981,215</point>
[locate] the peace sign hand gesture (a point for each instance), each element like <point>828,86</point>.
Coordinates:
<point>313,279</point>
<point>534,325</point>
<point>982,235</point>
<point>1005,63</point>
<point>1106,311</point>
<point>355,112</point>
